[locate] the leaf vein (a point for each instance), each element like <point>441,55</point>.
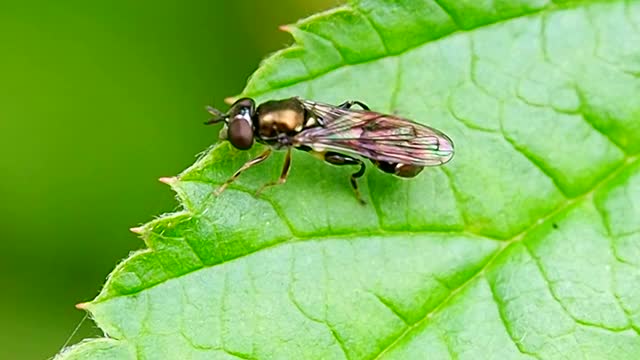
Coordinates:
<point>501,316</point>
<point>449,12</point>
<point>386,303</point>
<point>372,59</point>
<point>528,156</point>
<point>579,92</point>
<point>627,13</point>
<point>555,296</point>
<point>458,199</point>
<point>331,42</point>
<point>516,238</point>
<point>376,30</point>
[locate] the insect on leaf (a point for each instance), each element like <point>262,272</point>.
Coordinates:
<point>525,245</point>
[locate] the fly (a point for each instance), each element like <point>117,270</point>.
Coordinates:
<point>339,135</point>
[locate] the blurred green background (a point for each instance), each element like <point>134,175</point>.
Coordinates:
<point>98,100</point>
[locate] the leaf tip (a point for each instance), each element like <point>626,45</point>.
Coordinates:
<point>285,28</point>
<point>82,306</point>
<point>230,100</point>
<point>137,230</point>
<point>170,180</point>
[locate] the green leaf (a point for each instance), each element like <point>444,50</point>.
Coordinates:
<point>526,245</point>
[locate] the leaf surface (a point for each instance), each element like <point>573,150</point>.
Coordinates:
<point>526,245</point>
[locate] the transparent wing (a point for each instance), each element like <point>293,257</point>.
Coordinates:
<point>375,136</point>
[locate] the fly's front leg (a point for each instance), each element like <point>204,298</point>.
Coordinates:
<point>349,104</point>
<point>262,157</point>
<point>283,176</point>
<point>340,159</point>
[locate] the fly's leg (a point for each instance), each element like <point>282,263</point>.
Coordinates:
<point>283,176</point>
<point>350,103</point>
<point>340,159</point>
<point>262,157</point>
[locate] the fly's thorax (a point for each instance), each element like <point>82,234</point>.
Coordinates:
<point>279,117</point>
<point>280,122</point>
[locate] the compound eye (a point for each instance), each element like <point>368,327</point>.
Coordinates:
<point>244,107</point>
<point>240,133</point>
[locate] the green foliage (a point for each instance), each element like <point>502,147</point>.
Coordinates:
<point>526,245</point>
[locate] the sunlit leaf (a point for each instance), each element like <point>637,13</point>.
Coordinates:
<point>526,245</point>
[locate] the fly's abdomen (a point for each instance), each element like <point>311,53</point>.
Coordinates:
<point>402,170</point>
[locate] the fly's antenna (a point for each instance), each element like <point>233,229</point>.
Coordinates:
<point>218,116</point>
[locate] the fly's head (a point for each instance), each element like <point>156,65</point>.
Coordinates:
<point>238,121</point>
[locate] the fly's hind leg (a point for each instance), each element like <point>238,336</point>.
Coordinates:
<point>283,176</point>
<point>262,157</point>
<point>349,104</point>
<point>340,159</point>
